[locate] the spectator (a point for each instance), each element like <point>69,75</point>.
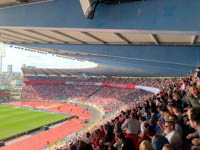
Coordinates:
<point>158,141</point>
<point>84,146</point>
<point>95,139</point>
<point>194,121</point>
<point>145,145</point>
<point>132,126</point>
<point>102,132</point>
<point>178,113</point>
<point>144,134</point>
<point>178,127</point>
<point>154,118</point>
<point>142,122</point>
<point>177,99</point>
<point>168,147</point>
<point>194,96</point>
<point>125,143</point>
<point>108,139</point>
<point>172,135</point>
<point>87,138</point>
<point>170,108</point>
<point>117,127</point>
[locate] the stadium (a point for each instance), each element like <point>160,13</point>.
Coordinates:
<point>142,91</point>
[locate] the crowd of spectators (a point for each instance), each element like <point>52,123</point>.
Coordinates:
<point>169,120</point>
<point>110,98</point>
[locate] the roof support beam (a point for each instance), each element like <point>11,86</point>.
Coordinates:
<point>67,72</point>
<point>34,72</point>
<point>43,70</point>
<point>122,38</point>
<point>193,40</point>
<point>10,4</point>
<point>69,36</point>
<point>8,40</point>
<point>94,37</point>
<point>54,71</point>
<point>47,36</point>
<point>16,37</point>
<point>154,38</point>
<point>60,72</point>
<point>25,35</point>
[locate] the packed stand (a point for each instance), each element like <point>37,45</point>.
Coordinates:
<point>169,120</point>
<point>109,98</point>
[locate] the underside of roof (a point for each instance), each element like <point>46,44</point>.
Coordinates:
<point>101,70</point>
<point>18,35</point>
<point>5,4</point>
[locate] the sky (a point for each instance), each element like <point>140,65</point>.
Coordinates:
<point>18,57</point>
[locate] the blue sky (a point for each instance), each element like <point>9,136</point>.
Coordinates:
<point>18,57</point>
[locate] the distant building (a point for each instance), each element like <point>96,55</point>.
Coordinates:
<point>2,54</point>
<point>24,66</point>
<point>16,83</point>
<point>17,74</point>
<point>9,69</point>
<point>30,67</point>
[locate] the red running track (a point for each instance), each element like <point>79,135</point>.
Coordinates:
<point>39,141</point>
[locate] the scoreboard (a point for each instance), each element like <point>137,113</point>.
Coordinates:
<point>4,95</point>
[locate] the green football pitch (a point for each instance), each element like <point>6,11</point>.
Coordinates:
<point>14,120</point>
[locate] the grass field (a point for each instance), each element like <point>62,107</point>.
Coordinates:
<point>18,120</point>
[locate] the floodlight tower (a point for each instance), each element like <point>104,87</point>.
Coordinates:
<point>2,54</point>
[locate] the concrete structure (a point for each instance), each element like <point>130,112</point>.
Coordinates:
<point>145,38</point>
<point>24,66</point>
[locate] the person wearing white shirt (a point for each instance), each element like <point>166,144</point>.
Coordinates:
<point>142,121</point>
<point>172,135</point>
<point>132,126</point>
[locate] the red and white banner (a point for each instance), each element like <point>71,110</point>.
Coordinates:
<point>148,89</point>
<point>103,84</point>
<point>45,82</point>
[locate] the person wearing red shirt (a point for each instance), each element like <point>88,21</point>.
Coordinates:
<point>102,132</point>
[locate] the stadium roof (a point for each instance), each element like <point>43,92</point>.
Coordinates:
<point>4,4</point>
<point>101,70</point>
<point>146,38</point>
